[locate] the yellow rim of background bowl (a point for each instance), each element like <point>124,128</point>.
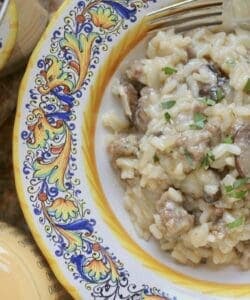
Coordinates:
<point>88,130</point>
<point>8,45</point>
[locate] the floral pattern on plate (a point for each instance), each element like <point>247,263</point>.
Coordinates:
<point>50,162</point>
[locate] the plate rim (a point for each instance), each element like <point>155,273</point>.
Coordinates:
<point>53,263</point>
<point>19,183</point>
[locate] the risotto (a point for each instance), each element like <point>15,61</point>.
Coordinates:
<point>182,151</point>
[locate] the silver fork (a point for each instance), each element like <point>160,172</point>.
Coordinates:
<point>186,15</point>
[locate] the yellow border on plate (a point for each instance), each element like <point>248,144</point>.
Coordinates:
<point>11,17</point>
<point>91,112</point>
<point>89,126</point>
<point>18,168</point>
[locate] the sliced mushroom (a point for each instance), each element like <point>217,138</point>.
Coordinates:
<point>242,139</point>
<point>134,101</point>
<point>140,118</point>
<point>137,85</point>
<point>211,198</point>
<point>218,91</point>
<point>128,96</point>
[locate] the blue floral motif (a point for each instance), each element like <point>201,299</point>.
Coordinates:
<point>121,10</point>
<point>50,138</point>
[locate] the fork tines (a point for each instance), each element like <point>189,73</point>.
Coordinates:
<point>186,15</point>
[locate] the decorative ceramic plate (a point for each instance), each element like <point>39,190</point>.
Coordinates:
<point>69,194</point>
<point>8,31</point>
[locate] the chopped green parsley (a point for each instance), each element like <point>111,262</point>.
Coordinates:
<point>199,121</point>
<point>208,101</point>
<point>207,160</point>
<point>219,94</point>
<point>240,182</point>
<point>169,70</point>
<point>156,158</point>
<point>247,87</point>
<point>238,189</point>
<point>167,117</point>
<point>168,104</point>
<point>238,222</point>
<point>228,140</point>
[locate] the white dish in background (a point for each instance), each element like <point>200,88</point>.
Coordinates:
<point>8,32</point>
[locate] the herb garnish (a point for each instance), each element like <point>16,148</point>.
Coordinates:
<point>169,70</point>
<point>168,104</point>
<point>238,222</point>
<point>156,158</point>
<point>241,182</point>
<point>236,194</point>
<point>199,121</point>
<point>247,87</point>
<point>228,140</point>
<point>207,160</point>
<point>219,94</point>
<point>167,117</point>
<point>208,101</point>
<point>235,190</point>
